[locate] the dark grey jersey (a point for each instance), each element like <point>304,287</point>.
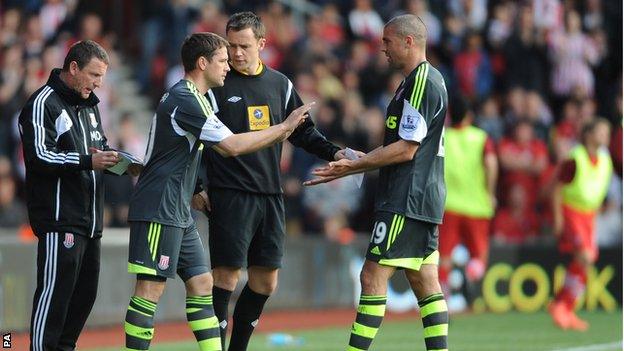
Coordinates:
<point>416,113</point>
<point>183,119</point>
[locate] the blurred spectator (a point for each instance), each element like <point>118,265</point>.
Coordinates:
<point>513,223</point>
<point>548,14</point>
<point>51,16</point>
<point>33,36</point>
<point>473,69</point>
<point>420,8</point>
<point>525,54</point>
<point>490,120</point>
<point>10,25</point>
<point>329,87</point>
<point>474,11</point>
<point>364,21</point>
<point>523,158</point>
<point>538,114</point>
<point>593,18</point>
<point>573,53</point>
<point>502,24</point>
<point>329,206</point>
<point>12,210</point>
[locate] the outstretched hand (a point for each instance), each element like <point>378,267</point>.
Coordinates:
<point>333,170</point>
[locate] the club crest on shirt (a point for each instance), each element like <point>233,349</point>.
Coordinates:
<point>163,264</point>
<point>94,122</point>
<point>69,240</point>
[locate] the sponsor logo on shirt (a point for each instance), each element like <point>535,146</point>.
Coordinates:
<point>258,117</point>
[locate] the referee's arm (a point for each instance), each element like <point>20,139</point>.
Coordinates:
<point>307,137</point>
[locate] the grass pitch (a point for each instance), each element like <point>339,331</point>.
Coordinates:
<point>480,332</point>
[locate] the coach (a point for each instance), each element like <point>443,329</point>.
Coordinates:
<point>65,152</point>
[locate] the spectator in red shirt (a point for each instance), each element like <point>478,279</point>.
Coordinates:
<point>513,223</point>
<point>473,69</point>
<point>523,158</point>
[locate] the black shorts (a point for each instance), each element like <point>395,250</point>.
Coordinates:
<point>162,250</point>
<point>246,229</point>
<point>403,242</point>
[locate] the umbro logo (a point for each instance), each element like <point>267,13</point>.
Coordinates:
<point>234,99</point>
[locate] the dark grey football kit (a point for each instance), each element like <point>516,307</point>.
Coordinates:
<point>163,237</point>
<point>410,197</point>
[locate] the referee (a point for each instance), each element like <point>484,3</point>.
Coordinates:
<point>254,97</point>
<point>62,141</point>
<point>409,203</point>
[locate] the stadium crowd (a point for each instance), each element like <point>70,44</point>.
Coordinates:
<point>534,71</point>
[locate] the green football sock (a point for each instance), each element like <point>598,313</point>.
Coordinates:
<point>434,314</point>
<point>203,322</point>
<point>370,313</point>
<point>139,324</point>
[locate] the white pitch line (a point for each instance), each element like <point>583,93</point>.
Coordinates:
<point>596,347</point>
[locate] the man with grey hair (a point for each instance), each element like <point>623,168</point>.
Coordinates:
<point>410,198</point>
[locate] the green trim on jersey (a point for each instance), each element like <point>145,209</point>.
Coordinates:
<point>420,81</point>
<point>203,102</point>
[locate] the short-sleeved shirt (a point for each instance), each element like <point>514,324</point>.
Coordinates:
<point>416,114</point>
<point>182,121</point>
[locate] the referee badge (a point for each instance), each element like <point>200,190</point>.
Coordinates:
<point>69,240</point>
<point>163,264</point>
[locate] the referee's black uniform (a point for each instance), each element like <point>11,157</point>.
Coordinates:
<point>65,199</point>
<point>253,234</point>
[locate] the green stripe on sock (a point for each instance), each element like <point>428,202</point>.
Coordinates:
<point>373,310</point>
<point>433,307</point>
<point>206,323</point>
<point>144,303</point>
<point>436,330</point>
<point>138,332</point>
<point>372,297</point>
<point>212,344</point>
<point>364,331</point>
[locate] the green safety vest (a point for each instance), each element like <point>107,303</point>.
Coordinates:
<point>589,187</point>
<point>464,172</point>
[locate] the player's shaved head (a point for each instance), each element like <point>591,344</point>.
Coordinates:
<point>409,25</point>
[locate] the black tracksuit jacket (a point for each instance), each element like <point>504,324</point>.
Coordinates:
<point>57,127</point>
